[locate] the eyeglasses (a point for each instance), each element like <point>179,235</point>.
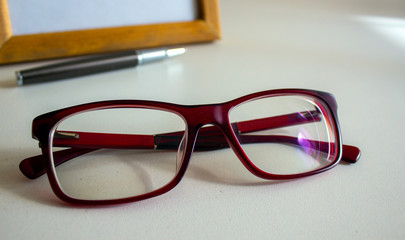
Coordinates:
<point>129,150</point>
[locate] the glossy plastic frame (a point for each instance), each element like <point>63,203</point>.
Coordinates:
<point>221,135</point>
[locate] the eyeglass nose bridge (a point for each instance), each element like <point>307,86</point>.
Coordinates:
<point>209,129</point>
<point>215,114</point>
<point>206,128</point>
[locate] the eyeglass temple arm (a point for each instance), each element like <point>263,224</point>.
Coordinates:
<point>209,139</point>
<point>34,167</point>
<point>82,143</point>
<point>350,154</point>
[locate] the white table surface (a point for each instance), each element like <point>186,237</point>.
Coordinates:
<point>354,49</point>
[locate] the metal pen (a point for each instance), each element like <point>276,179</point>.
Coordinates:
<point>96,64</point>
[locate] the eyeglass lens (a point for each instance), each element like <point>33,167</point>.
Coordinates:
<point>121,160</point>
<point>285,135</point>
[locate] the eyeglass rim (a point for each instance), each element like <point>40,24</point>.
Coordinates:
<point>43,127</point>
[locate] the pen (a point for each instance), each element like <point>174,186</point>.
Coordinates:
<point>96,64</point>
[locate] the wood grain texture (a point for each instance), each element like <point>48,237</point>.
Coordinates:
<point>66,44</point>
<point>5,25</point>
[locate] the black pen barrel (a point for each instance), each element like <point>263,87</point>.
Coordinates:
<point>80,67</point>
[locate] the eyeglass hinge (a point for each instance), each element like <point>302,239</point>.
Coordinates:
<point>66,135</point>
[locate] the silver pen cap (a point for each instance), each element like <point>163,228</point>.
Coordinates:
<point>151,55</point>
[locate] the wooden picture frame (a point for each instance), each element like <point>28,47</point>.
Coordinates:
<point>31,47</point>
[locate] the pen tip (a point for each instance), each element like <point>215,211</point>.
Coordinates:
<point>175,52</point>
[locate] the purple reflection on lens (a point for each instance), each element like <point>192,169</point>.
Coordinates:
<point>300,114</point>
<point>307,145</point>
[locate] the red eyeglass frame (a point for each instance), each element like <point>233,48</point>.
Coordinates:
<point>195,116</point>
